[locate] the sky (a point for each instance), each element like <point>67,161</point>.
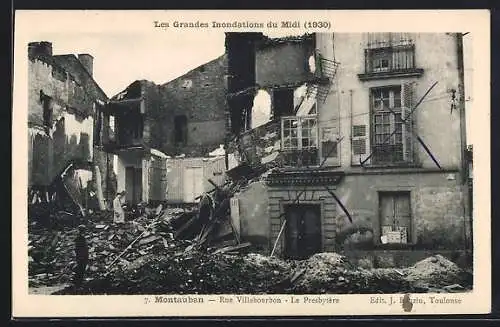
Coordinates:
<point>121,58</point>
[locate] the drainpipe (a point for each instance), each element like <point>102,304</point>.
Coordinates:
<point>461,103</point>
<point>463,133</point>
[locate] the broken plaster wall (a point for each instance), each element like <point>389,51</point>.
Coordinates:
<point>71,137</point>
<point>73,92</point>
<point>157,178</point>
<point>261,145</point>
<point>279,63</point>
<point>253,215</point>
<point>262,105</point>
<point>283,63</point>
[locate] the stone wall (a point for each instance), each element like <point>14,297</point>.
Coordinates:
<point>439,221</point>
<point>279,197</point>
<point>71,137</point>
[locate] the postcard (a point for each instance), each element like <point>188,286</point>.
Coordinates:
<point>200,163</point>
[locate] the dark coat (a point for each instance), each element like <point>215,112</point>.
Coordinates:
<point>81,248</point>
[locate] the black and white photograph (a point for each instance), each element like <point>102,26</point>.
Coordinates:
<point>236,160</point>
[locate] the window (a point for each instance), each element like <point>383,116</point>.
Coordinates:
<point>299,140</point>
<point>390,59</point>
<point>386,120</point>
<point>395,217</point>
<point>391,138</point>
<point>389,53</point>
<point>180,129</point>
<point>380,60</point>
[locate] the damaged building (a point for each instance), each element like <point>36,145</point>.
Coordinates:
<point>362,144</point>
<point>295,165</point>
<point>168,139</point>
<point>62,101</point>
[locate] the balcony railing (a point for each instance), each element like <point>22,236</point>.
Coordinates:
<point>390,61</point>
<point>301,158</point>
<point>388,154</point>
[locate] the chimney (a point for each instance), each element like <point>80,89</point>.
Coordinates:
<point>87,62</point>
<point>42,48</point>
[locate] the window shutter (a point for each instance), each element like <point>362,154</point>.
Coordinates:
<point>407,105</point>
<point>360,147</point>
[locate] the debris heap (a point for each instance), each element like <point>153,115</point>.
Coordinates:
<point>199,251</point>
<point>437,273</point>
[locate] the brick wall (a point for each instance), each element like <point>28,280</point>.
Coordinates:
<point>200,95</point>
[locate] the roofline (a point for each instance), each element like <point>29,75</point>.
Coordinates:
<point>192,70</point>
<point>86,72</point>
<point>129,85</point>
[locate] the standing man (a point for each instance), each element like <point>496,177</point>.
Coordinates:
<point>82,256</point>
<point>119,213</point>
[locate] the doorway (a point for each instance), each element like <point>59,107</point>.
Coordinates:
<point>133,184</point>
<point>303,230</point>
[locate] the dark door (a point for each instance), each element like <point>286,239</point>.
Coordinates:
<point>303,231</point>
<point>133,184</point>
<point>395,214</point>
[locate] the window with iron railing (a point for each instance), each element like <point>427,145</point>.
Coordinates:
<point>386,118</point>
<point>391,137</point>
<point>299,141</point>
<point>390,53</point>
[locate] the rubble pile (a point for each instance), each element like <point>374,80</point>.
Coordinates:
<point>437,272</point>
<point>179,251</point>
<point>332,273</point>
<point>51,250</point>
<point>192,272</point>
<point>197,272</point>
